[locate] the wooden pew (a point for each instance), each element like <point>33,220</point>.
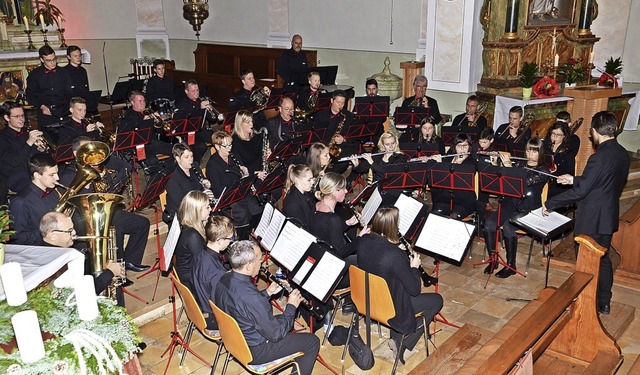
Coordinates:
<point>561,327</point>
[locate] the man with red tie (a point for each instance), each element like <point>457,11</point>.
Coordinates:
<point>49,89</point>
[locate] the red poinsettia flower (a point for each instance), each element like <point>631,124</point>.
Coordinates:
<point>607,81</point>
<point>546,88</point>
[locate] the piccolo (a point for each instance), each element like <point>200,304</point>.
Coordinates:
<point>317,314</point>
<point>541,172</point>
<point>425,158</point>
<point>353,157</point>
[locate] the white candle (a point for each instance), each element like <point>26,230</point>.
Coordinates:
<point>556,60</point>
<point>28,335</point>
<point>26,22</point>
<point>3,31</point>
<point>42,21</point>
<point>59,22</point>
<point>591,55</point>
<point>86,297</point>
<point>11,275</point>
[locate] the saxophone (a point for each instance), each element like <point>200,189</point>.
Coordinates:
<point>334,149</point>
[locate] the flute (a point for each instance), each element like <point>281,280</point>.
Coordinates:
<point>287,288</point>
<point>425,158</point>
<point>353,157</point>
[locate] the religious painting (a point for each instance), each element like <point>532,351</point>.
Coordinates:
<point>550,12</point>
<point>11,86</point>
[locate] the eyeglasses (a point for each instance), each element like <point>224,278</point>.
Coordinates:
<point>555,135</point>
<point>49,60</point>
<point>225,146</point>
<point>68,231</point>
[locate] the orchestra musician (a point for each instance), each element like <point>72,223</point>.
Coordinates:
<point>192,105</point>
<point>314,89</point>
<point>193,213</point>
<point>318,159</point>
<point>330,118</point>
<point>508,133</point>
<point>298,203</point>
<point>420,98</point>
<point>77,73</point>
<point>483,153</point>
<point>34,201</point>
<point>159,86</point>
<point>456,204</point>
<point>224,172</point>
<point>183,180</point>
<point>371,87</point>
<point>292,60</point>
<point>510,206</point>
<point>49,91</point>
<point>379,253</point>
<point>207,267</point>
<point>125,222</point>
<point>470,122</point>
<point>427,135</point>
<point>138,118</point>
<point>574,140</point>
<point>241,99</point>
<point>268,336</point>
<point>16,147</point>
<point>564,154</point>
<point>77,124</point>
<point>282,127</point>
<point>248,145</point>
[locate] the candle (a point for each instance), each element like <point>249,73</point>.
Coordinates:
<point>26,22</point>
<point>42,21</point>
<point>28,335</point>
<point>11,275</point>
<point>556,60</point>
<point>59,22</point>
<point>591,55</point>
<point>86,297</point>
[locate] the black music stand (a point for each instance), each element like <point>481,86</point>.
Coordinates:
<point>324,101</point>
<point>274,180</point>
<point>278,94</point>
<point>407,175</point>
<point>363,128</point>
<point>229,120</point>
<point>372,107</point>
<point>448,136</point>
<point>300,77</point>
<point>64,153</point>
<point>453,177</point>
<point>286,149</point>
<point>503,182</point>
<point>185,126</point>
<point>133,139</point>
<point>417,150</point>
<point>237,194</point>
<point>365,194</point>
<point>410,117</point>
<point>312,136</point>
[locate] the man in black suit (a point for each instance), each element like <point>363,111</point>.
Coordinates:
<point>420,97</point>
<point>291,60</point>
<point>597,193</point>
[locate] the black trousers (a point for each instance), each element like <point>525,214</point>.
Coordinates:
<point>605,279</point>
<point>291,343</point>
<point>137,227</point>
<point>430,304</point>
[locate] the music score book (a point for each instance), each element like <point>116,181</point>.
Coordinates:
<point>409,209</point>
<point>540,224</point>
<point>269,227</point>
<point>170,243</point>
<point>372,205</point>
<point>446,237</point>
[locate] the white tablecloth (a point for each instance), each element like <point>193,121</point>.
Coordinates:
<point>504,103</point>
<point>38,263</point>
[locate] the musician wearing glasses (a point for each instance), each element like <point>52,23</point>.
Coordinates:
<point>77,125</point>
<point>38,198</point>
<point>420,99</point>
<point>17,145</point>
<point>558,144</point>
<point>513,133</point>
<point>471,121</point>
<point>191,106</point>
<point>77,73</point>
<point>531,200</point>
<point>282,127</point>
<point>159,86</point>
<point>292,60</point>
<point>207,267</point>
<point>185,177</point>
<point>49,89</point>
<point>268,336</point>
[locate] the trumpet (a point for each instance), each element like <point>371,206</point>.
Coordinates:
<point>212,111</point>
<point>42,143</point>
<point>425,158</point>
<point>316,312</point>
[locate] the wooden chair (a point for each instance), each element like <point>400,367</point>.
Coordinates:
<point>236,346</point>
<point>163,200</point>
<point>196,320</point>
<point>381,307</point>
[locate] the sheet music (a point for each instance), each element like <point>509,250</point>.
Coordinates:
<point>304,270</point>
<point>543,224</point>
<point>291,245</point>
<point>409,209</point>
<point>271,234</point>
<point>370,208</point>
<point>324,275</point>
<point>171,242</point>
<point>264,220</point>
<point>445,236</point>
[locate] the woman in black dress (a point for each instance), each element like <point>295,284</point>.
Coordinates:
<point>248,145</point>
<point>427,135</point>
<point>564,154</point>
<point>193,214</point>
<point>298,202</point>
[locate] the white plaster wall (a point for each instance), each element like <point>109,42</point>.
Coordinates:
<point>99,19</point>
<point>631,54</point>
<point>611,27</point>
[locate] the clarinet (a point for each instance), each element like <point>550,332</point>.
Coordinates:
<point>426,278</point>
<point>237,163</point>
<point>287,288</point>
<point>198,173</point>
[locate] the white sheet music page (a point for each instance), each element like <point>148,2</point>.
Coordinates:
<point>271,234</point>
<point>445,236</point>
<point>264,220</point>
<point>324,275</point>
<point>291,245</point>
<point>171,242</point>
<point>370,208</point>
<point>409,209</point>
<point>543,224</point>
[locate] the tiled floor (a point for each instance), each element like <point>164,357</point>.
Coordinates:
<point>466,301</point>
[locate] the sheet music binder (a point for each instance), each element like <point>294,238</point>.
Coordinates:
<point>445,237</point>
<point>542,226</point>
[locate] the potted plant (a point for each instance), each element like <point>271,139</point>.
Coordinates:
<point>612,70</point>
<point>527,78</point>
<point>50,13</point>
<point>573,71</point>
<point>5,233</point>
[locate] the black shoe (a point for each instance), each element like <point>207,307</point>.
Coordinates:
<point>428,280</point>
<point>141,346</point>
<point>348,308</point>
<point>490,268</point>
<point>127,284</point>
<point>604,308</point>
<point>135,267</point>
<point>505,272</point>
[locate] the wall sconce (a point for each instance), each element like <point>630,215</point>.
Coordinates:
<point>195,11</point>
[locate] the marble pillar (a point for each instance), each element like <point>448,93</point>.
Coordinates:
<point>278,14</point>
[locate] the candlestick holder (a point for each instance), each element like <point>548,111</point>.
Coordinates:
<point>589,68</point>
<point>555,69</point>
<point>30,47</point>
<point>64,42</point>
<point>44,36</point>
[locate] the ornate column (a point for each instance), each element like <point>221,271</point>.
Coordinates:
<point>421,49</point>
<point>278,14</point>
<point>151,36</point>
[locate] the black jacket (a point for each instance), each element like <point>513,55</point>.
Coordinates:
<point>300,206</point>
<point>190,245</point>
<point>27,208</point>
<point>434,111</point>
<point>177,187</point>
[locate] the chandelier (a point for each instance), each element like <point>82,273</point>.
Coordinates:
<point>195,11</point>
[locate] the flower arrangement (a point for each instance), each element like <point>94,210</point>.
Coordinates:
<point>546,88</point>
<point>573,70</point>
<point>5,220</point>
<point>112,337</point>
<point>612,68</point>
